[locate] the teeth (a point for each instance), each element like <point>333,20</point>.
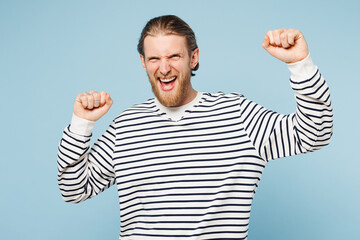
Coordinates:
<point>167,79</point>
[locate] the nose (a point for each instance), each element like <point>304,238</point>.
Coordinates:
<point>165,67</point>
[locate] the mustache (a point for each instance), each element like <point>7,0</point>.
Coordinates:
<point>169,75</point>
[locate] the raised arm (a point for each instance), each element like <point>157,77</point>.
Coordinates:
<point>83,173</point>
<point>310,127</point>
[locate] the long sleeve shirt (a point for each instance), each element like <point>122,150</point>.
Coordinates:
<point>194,177</point>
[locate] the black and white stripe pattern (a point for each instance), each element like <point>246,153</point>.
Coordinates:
<point>194,178</point>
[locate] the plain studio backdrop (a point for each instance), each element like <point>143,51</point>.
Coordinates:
<point>52,50</point>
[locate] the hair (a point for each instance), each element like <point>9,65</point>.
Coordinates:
<point>169,24</point>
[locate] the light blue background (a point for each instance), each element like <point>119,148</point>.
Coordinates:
<point>52,50</point>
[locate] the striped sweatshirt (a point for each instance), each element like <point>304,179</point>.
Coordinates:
<point>194,178</point>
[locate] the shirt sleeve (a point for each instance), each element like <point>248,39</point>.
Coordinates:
<point>277,135</point>
<point>84,172</point>
<point>81,126</point>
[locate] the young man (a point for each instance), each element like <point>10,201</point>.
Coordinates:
<point>187,163</point>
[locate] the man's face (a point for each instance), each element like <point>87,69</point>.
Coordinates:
<point>168,65</point>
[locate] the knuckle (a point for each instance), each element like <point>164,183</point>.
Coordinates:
<point>96,95</point>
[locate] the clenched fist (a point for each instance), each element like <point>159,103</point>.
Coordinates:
<point>287,45</point>
<point>92,105</point>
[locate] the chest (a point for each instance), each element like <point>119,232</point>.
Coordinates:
<point>149,153</point>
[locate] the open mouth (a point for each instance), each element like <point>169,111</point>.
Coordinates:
<point>167,84</point>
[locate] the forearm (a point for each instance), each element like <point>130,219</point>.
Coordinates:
<point>82,173</point>
<point>313,118</point>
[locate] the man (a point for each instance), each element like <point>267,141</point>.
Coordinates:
<point>187,163</point>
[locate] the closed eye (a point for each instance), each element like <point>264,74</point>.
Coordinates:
<point>175,56</point>
<point>153,59</point>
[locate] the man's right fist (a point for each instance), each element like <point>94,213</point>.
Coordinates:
<point>92,105</point>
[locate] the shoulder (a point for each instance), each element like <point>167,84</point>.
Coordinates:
<point>138,111</point>
<point>221,97</point>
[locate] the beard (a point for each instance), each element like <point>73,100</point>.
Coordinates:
<point>175,97</point>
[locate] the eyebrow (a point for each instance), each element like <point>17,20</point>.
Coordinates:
<point>168,56</point>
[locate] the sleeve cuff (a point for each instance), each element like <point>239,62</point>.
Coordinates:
<point>81,126</point>
<point>302,70</point>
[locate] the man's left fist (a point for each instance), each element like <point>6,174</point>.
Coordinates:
<point>287,45</point>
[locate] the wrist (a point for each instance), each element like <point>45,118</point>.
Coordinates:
<point>81,126</point>
<point>302,70</point>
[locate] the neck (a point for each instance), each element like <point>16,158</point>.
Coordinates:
<point>190,95</point>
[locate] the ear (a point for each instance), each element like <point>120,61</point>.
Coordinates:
<point>194,58</point>
<point>143,61</point>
